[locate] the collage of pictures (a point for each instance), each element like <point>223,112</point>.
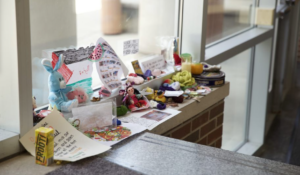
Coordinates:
<point>109,65</point>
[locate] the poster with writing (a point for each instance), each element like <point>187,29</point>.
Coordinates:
<point>154,62</point>
<point>130,47</point>
<point>69,143</point>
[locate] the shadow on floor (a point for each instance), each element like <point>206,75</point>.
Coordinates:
<point>283,140</point>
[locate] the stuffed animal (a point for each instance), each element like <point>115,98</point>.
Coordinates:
<point>78,94</point>
<point>134,100</point>
<point>58,88</point>
<point>135,80</point>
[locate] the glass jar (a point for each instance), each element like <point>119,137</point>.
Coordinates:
<point>186,61</point>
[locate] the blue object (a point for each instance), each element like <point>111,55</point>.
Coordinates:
<point>117,121</point>
<point>148,73</point>
<point>58,88</point>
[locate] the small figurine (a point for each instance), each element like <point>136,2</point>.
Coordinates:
<point>134,100</point>
<point>160,96</point>
<point>78,94</point>
<point>36,117</point>
<point>58,88</point>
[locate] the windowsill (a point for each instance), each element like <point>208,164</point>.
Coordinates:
<point>233,46</point>
<point>7,139</point>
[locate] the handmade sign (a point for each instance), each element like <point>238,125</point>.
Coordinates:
<point>130,47</point>
<point>152,63</point>
<point>108,64</point>
<point>69,143</point>
<point>77,70</point>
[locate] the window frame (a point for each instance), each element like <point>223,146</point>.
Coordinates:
<point>261,40</point>
<point>24,104</point>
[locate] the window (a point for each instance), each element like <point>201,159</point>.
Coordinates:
<point>57,25</point>
<point>237,71</point>
<point>228,17</point>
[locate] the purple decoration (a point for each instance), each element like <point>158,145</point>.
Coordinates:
<point>161,106</point>
<point>163,88</point>
<point>148,73</point>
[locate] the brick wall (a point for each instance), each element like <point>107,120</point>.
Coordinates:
<point>205,128</point>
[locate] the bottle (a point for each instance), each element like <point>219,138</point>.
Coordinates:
<point>186,61</point>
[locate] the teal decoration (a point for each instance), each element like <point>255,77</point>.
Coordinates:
<point>85,84</point>
<point>121,110</point>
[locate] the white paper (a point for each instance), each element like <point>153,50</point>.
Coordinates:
<point>173,93</point>
<point>130,47</point>
<point>154,62</point>
<point>133,129</point>
<point>109,66</point>
<point>81,70</point>
<point>137,117</point>
<point>69,143</point>
<point>91,116</point>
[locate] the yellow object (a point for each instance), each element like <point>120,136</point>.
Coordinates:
<point>186,62</point>
<point>160,98</point>
<point>151,96</point>
<point>184,78</point>
<point>197,68</point>
<point>44,146</point>
<point>186,66</point>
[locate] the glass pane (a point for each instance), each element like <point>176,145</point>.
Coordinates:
<point>228,17</point>
<point>57,25</point>
<point>237,73</point>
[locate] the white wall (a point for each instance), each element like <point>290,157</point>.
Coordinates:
<point>9,97</point>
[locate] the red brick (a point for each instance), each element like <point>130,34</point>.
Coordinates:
<point>220,120</point>
<point>208,127</point>
<point>203,141</point>
<point>219,143</point>
<point>212,137</point>
<point>183,131</point>
<point>200,120</point>
<point>216,110</point>
<point>193,137</point>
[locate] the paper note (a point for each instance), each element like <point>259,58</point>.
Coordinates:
<point>173,93</point>
<point>69,143</point>
<point>92,116</point>
<point>150,119</point>
<point>130,47</point>
<point>114,136</point>
<point>154,62</point>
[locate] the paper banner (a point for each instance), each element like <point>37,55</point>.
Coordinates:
<point>69,143</point>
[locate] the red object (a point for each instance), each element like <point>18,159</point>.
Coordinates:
<point>64,70</point>
<point>104,91</point>
<point>177,59</point>
<point>132,75</point>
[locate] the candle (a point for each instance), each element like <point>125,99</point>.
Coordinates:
<point>186,61</point>
<point>186,66</point>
